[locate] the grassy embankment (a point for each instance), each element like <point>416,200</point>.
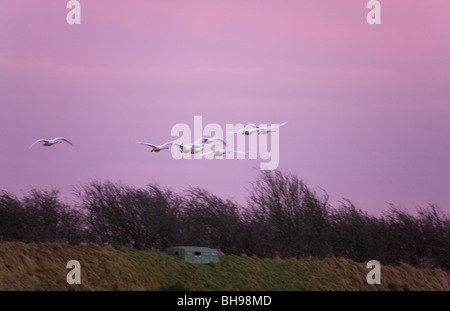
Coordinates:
<point>42,266</point>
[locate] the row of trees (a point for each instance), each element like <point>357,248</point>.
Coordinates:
<point>283,218</point>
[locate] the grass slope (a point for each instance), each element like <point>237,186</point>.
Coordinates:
<point>42,266</point>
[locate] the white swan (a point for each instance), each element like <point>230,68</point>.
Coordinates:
<point>220,152</point>
<point>195,150</point>
<point>208,141</point>
<point>267,129</point>
<point>51,142</point>
<point>157,148</point>
<point>190,148</point>
<point>245,131</point>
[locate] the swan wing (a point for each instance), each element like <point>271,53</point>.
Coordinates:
<point>37,141</point>
<point>168,143</point>
<point>199,141</point>
<point>242,131</point>
<point>236,151</point>
<point>147,144</point>
<point>276,126</point>
<point>63,139</point>
<point>253,125</point>
<point>212,139</point>
<point>205,153</point>
<point>219,139</point>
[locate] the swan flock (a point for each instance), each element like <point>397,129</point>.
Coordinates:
<point>211,147</point>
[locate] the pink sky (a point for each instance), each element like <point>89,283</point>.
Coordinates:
<point>368,105</point>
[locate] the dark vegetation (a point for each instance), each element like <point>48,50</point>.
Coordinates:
<point>283,218</point>
<point>42,267</point>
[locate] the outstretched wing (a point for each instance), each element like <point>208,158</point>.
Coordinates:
<point>218,139</point>
<point>37,141</point>
<point>276,126</point>
<point>63,139</point>
<point>250,131</point>
<point>168,143</point>
<point>182,147</point>
<point>232,150</point>
<point>203,154</point>
<point>209,140</point>
<point>237,132</point>
<point>253,125</point>
<point>147,144</point>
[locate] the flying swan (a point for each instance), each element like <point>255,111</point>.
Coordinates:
<point>190,148</point>
<point>267,129</point>
<point>51,142</point>
<point>220,152</point>
<point>208,141</point>
<point>157,148</point>
<point>245,131</point>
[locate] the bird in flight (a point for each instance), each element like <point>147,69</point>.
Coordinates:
<point>157,148</point>
<point>267,129</point>
<point>245,131</point>
<point>208,141</point>
<point>51,142</point>
<point>220,152</point>
<point>190,148</point>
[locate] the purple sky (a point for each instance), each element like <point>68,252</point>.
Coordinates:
<point>368,105</point>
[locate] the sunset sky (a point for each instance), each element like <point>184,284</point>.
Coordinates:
<point>368,106</point>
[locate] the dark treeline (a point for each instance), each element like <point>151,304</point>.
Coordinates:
<point>283,218</point>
